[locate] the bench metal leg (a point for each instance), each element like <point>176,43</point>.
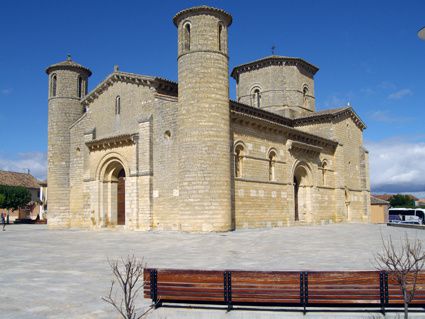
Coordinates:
<point>227,276</point>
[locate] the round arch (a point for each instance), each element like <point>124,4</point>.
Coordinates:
<point>303,167</point>
<point>111,175</point>
<point>302,181</point>
<point>239,151</point>
<point>107,160</point>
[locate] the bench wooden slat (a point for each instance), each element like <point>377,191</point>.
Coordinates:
<point>190,298</point>
<point>283,288</point>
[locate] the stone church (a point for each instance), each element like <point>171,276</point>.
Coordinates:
<point>145,153</point>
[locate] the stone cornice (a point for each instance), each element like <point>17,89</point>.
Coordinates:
<point>112,142</point>
<point>160,85</point>
<point>274,60</point>
<point>257,112</point>
<point>278,124</point>
<point>329,117</point>
<point>304,147</point>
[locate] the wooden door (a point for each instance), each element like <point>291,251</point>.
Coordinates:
<point>296,188</point>
<point>121,198</point>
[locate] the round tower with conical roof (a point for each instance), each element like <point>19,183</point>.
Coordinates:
<point>68,83</point>
<point>203,119</point>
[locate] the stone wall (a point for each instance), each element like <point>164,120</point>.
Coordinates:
<point>64,108</point>
<point>165,192</point>
<point>281,89</point>
<point>203,122</point>
<point>261,202</point>
<point>351,166</point>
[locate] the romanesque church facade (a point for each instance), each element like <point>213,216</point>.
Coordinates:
<point>145,153</point>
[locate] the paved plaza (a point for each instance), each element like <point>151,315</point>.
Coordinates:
<point>63,273</point>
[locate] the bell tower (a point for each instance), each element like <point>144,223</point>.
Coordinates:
<point>203,119</point>
<point>68,83</point>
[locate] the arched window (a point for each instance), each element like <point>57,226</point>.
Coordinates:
<point>80,87</point>
<point>305,93</point>
<point>186,37</point>
<point>53,85</point>
<point>117,105</point>
<point>272,161</point>
<point>221,44</point>
<point>239,149</point>
<point>256,97</point>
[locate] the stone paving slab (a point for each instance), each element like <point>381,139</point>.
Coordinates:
<point>63,273</point>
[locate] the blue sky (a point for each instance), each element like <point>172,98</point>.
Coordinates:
<point>368,53</point>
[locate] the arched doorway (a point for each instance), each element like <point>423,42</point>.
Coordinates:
<point>112,194</point>
<point>302,189</point>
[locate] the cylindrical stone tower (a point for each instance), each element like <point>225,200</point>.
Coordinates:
<point>67,86</point>
<point>203,120</point>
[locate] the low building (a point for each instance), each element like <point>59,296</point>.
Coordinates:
<point>378,210</point>
<point>420,202</point>
<point>29,182</point>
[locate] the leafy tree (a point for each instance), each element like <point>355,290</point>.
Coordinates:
<point>2,198</point>
<point>400,200</point>
<point>14,197</point>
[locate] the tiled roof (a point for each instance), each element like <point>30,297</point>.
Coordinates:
<point>68,63</point>
<point>161,85</point>
<point>201,9</point>
<point>273,60</point>
<point>378,201</point>
<point>285,123</point>
<point>18,179</point>
<point>327,112</point>
<point>330,114</point>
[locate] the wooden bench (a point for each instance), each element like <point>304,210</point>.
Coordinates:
<point>277,288</point>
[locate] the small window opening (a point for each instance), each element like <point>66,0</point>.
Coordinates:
<point>305,93</point>
<point>221,43</point>
<point>186,40</point>
<point>272,161</point>
<point>117,105</point>
<point>257,98</point>
<point>80,87</point>
<point>238,160</point>
<point>54,84</point>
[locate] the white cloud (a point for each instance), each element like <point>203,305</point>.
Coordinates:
<point>386,85</point>
<point>36,162</point>
<point>6,91</point>
<point>397,166</point>
<point>368,91</point>
<point>386,117</point>
<point>400,94</point>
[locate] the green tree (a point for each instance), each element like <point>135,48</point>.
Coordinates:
<point>2,198</point>
<point>14,197</point>
<point>400,200</point>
